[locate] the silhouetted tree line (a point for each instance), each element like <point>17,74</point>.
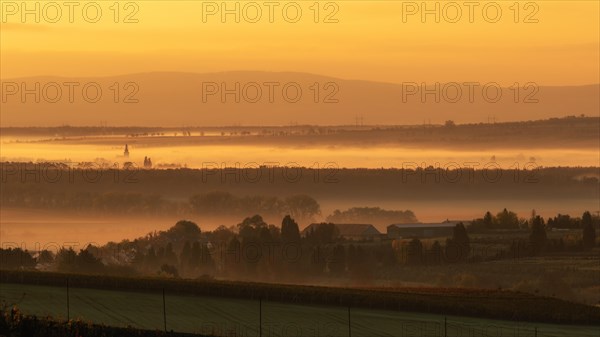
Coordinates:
<point>110,202</point>
<point>539,243</point>
<point>502,220</point>
<point>32,185</point>
<point>16,258</point>
<point>218,203</point>
<point>371,215</point>
<point>65,260</point>
<point>254,249</point>
<point>213,203</point>
<point>509,220</point>
<point>84,262</point>
<point>571,127</point>
<point>457,249</point>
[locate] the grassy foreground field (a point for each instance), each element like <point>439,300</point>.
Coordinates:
<point>241,317</point>
<point>469,302</point>
<point>229,308</point>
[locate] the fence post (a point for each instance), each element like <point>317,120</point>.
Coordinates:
<point>260,316</point>
<point>349,324</point>
<point>68,304</point>
<point>445,326</point>
<point>164,310</point>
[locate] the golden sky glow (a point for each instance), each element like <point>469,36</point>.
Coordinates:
<point>370,41</point>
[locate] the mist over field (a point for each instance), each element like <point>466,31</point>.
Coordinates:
<point>501,208</point>
<point>299,169</point>
<point>569,141</point>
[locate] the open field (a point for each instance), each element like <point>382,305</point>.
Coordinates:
<point>568,277</point>
<point>473,302</point>
<point>204,314</point>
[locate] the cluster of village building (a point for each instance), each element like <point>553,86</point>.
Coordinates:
<point>367,232</point>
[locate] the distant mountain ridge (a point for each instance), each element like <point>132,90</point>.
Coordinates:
<point>276,98</point>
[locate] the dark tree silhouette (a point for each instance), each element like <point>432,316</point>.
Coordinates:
<point>459,246</point>
<point>151,260</point>
<point>289,230</point>
<point>184,257</point>
<point>195,258</point>
<point>66,259</point>
<point>46,256</point>
<point>507,220</point>
<point>170,257</point>
<point>414,253</point>
<point>436,253</point>
<point>250,228</point>
<point>207,263</point>
<point>589,232</point>
<point>302,207</point>
<point>15,258</point>
<point>86,262</point>
<point>185,230</point>
<point>538,237</point>
<point>233,256</point>
<point>488,220</point>
<point>373,215</point>
<point>322,233</point>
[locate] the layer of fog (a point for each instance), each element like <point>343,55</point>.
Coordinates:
<point>33,229</point>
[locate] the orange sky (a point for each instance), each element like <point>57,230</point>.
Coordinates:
<point>370,41</point>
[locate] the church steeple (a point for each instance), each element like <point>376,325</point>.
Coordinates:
<point>126,152</point>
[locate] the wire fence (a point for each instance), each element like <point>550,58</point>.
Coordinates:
<point>231,317</point>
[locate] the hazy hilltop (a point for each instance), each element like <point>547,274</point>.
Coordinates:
<point>179,99</point>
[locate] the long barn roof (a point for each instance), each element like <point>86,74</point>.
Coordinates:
<point>351,229</point>
<point>423,225</point>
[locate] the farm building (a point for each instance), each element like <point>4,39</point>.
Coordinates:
<point>354,232</point>
<point>421,230</point>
